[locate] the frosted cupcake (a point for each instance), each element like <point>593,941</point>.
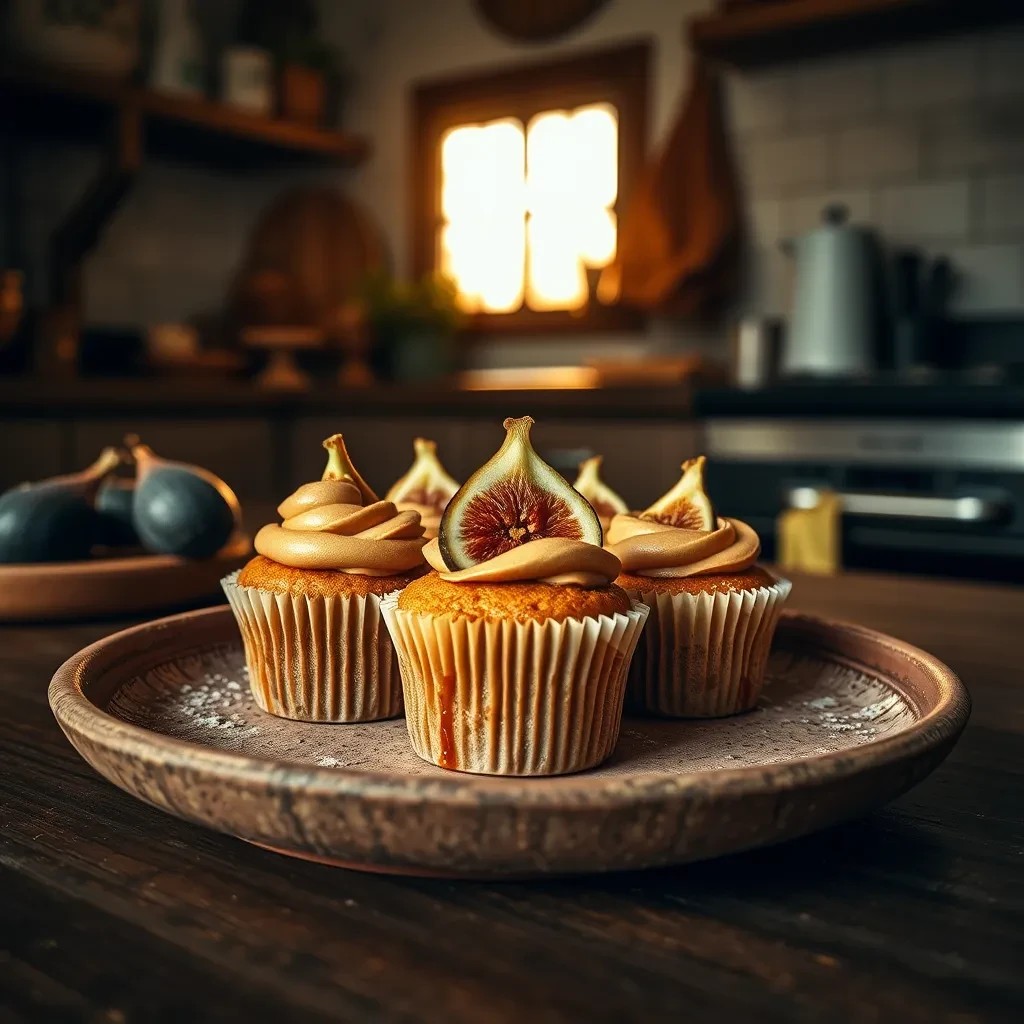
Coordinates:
<point>426,488</point>
<point>514,653</point>
<point>308,605</point>
<point>713,610</point>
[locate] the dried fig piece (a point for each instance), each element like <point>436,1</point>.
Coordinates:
<point>686,505</point>
<point>604,501</point>
<point>339,467</point>
<point>512,499</point>
<point>427,482</point>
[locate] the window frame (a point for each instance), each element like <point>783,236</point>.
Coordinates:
<point>617,75</point>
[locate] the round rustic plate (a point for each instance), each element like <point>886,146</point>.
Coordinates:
<point>850,719</point>
<point>125,585</point>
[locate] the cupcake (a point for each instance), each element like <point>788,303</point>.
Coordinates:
<point>426,488</point>
<point>514,652</point>
<point>308,604</point>
<point>713,610</point>
<point>603,500</point>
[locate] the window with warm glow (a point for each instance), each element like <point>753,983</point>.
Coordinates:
<point>518,179</point>
<point>528,208</point>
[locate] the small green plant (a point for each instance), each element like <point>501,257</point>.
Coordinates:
<point>310,51</point>
<point>428,304</point>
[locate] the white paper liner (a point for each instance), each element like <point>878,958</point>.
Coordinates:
<point>317,659</point>
<point>704,655</point>
<point>513,698</point>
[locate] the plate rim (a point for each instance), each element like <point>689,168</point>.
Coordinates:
<point>77,714</point>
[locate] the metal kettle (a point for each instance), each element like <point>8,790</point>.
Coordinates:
<point>834,328</point>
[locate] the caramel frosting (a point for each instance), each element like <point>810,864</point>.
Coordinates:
<point>327,526</point>
<point>430,516</point>
<point>649,548</point>
<point>545,560</point>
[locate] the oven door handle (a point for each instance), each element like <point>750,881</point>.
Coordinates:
<point>961,509</point>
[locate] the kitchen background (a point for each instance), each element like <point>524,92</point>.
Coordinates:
<point>921,140</point>
<point>924,140</point>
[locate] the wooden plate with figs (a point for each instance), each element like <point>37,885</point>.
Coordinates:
<point>121,585</point>
<point>850,718</point>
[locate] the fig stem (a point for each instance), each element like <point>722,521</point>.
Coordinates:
<point>519,427</point>
<point>339,467</point>
<point>106,462</point>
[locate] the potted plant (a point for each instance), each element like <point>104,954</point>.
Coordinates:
<point>412,326</point>
<point>308,70</point>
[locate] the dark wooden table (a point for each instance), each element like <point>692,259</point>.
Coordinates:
<point>111,911</point>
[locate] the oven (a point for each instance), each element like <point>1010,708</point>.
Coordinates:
<point>918,495</point>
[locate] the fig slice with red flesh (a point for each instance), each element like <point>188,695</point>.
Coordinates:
<point>339,467</point>
<point>514,498</point>
<point>686,505</point>
<point>604,501</point>
<point>427,482</point>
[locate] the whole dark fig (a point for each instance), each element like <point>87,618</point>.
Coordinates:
<point>115,527</point>
<point>53,520</point>
<point>180,509</point>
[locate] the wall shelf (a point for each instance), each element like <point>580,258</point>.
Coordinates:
<point>773,33</point>
<point>195,129</point>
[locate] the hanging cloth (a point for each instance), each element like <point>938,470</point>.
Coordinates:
<point>680,232</point>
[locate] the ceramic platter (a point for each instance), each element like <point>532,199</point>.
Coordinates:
<point>127,585</point>
<point>850,718</point>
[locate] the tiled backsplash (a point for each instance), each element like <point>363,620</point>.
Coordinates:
<point>925,142</point>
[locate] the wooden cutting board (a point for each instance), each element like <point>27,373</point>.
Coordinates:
<point>318,246</point>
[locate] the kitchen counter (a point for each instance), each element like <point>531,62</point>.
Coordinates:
<point>115,912</point>
<point>31,398</point>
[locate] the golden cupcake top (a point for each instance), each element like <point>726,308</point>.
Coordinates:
<point>338,523</point>
<point>516,520</point>
<point>680,535</point>
<point>426,488</point>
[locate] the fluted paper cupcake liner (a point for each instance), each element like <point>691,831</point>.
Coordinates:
<point>513,698</point>
<point>317,659</point>
<point>704,655</point>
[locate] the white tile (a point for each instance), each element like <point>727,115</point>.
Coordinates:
<point>764,219</point>
<point>1002,62</point>
<point>776,166</point>
<point>767,286</point>
<point>986,135</point>
<point>760,102</point>
<point>932,210</point>
<point>1002,205</point>
<point>111,292</point>
<point>803,213</point>
<point>924,74</point>
<point>836,89</point>
<point>989,279</point>
<point>885,151</point>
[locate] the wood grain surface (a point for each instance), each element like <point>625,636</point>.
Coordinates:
<point>113,911</point>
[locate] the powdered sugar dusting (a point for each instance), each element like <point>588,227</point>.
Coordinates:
<point>810,706</point>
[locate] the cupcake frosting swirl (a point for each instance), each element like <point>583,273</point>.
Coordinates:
<point>327,526</point>
<point>430,516</point>
<point>649,548</point>
<point>545,560</point>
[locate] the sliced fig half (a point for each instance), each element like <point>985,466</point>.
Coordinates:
<point>604,501</point>
<point>686,505</point>
<point>339,467</point>
<point>514,498</point>
<point>427,482</point>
